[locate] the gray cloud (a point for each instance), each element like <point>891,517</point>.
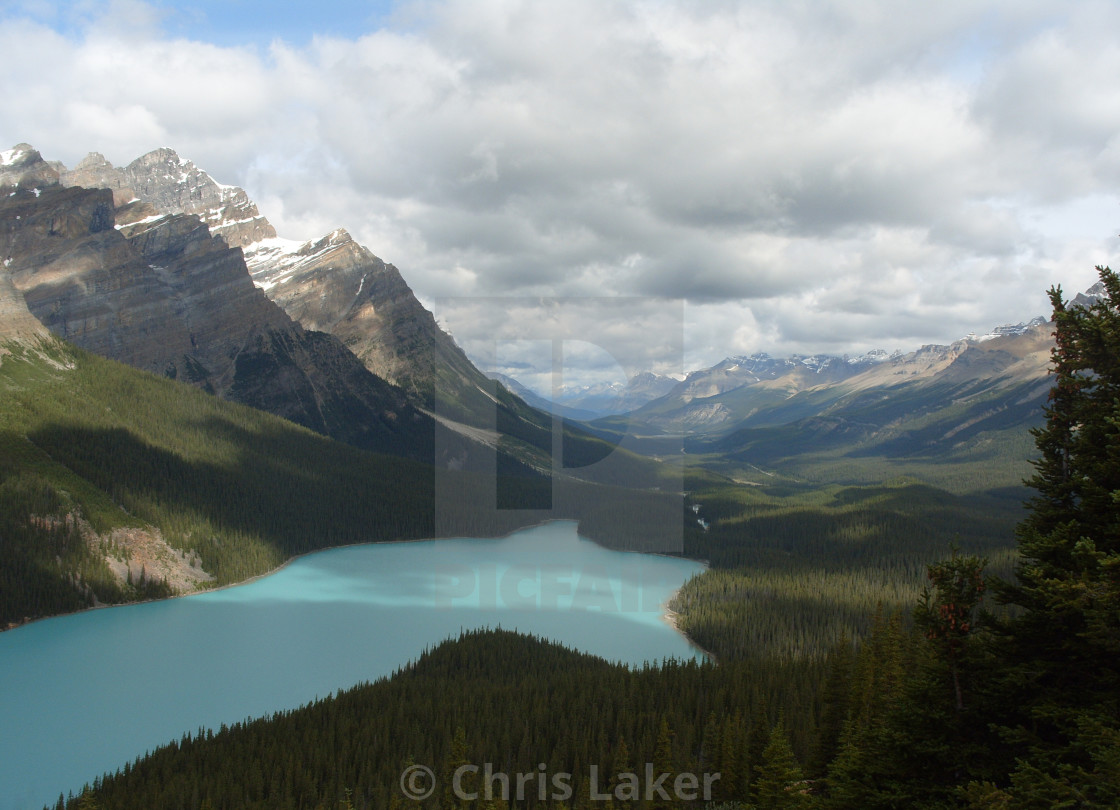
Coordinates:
<point>825,177</point>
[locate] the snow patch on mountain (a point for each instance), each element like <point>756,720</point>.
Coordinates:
<point>10,157</point>
<point>275,260</point>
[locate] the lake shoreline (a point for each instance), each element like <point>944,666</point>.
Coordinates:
<point>668,615</point>
<point>280,567</point>
<point>672,618</point>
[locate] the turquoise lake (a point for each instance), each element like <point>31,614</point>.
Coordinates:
<point>84,694</point>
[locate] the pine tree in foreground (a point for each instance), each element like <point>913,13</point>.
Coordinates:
<point>1061,676</point>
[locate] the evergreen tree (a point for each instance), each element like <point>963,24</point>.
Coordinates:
<point>710,743</point>
<point>732,782</point>
<point>758,737</point>
<point>948,610</point>
<point>1062,648</point>
<point>663,763</point>
<point>779,785</point>
<point>835,696</point>
<point>622,765</point>
<point>455,760</point>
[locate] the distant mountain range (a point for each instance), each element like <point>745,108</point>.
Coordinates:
<point>591,402</point>
<point>739,388</point>
<point>943,412</point>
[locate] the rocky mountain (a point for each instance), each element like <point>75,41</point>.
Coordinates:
<point>23,167</point>
<point>796,372</point>
<point>162,293</point>
<point>1008,330</point>
<point>338,286</point>
<point>174,185</point>
<point>335,286</point>
<point>1089,297</point>
<point>17,324</point>
<point>927,412</point>
<point>332,284</point>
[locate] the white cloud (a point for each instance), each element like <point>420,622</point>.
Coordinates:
<point>824,177</point>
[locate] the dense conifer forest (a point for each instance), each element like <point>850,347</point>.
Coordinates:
<point>794,572</point>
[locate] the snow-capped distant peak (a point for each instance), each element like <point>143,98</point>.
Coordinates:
<point>873,356</point>
<point>1007,330</point>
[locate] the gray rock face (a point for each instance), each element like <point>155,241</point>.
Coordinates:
<point>174,185</point>
<point>94,171</point>
<point>165,295</point>
<point>336,285</point>
<point>332,284</point>
<point>1091,296</point>
<point>16,321</point>
<point>23,167</point>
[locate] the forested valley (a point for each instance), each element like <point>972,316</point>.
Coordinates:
<point>874,647</point>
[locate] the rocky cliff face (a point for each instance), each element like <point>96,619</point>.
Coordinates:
<point>331,284</point>
<point>337,285</point>
<point>162,293</point>
<point>16,321</point>
<point>174,185</point>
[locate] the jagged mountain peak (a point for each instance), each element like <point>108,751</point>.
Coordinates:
<point>173,184</point>
<point>165,155</point>
<point>1007,330</point>
<point>1090,296</point>
<point>23,167</point>
<point>332,284</point>
<point>19,155</point>
<point>339,237</point>
<point>93,160</point>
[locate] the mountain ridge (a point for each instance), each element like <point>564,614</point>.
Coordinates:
<point>162,293</point>
<point>331,284</point>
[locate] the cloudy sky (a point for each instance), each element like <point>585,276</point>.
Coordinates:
<point>804,176</point>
